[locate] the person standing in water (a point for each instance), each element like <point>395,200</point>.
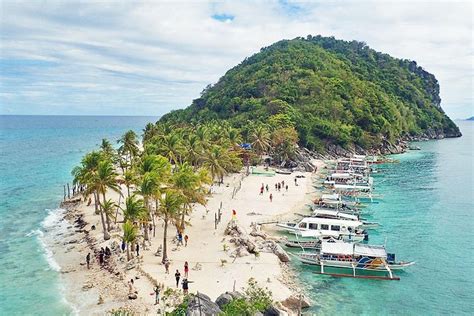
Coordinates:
<point>88,260</point>
<point>177,275</point>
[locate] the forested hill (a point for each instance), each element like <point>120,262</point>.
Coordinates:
<point>331,91</point>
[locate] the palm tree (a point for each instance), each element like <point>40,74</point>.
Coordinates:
<point>130,235</point>
<point>129,145</point>
<point>191,186</point>
<point>105,178</point>
<point>108,207</point>
<point>170,147</point>
<point>107,149</point>
<point>149,187</point>
<point>84,174</point>
<point>171,203</point>
<point>216,160</point>
<point>148,132</point>
<point>260,139</point>
<point>129,178</point>
<point>135,211</point>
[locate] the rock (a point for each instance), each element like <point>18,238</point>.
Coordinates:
<point>132,296</point>
<point>87,286</point>
<point>101,300</point>
<point>235,294</point>
<point>197,267</point>
<point>239,252</point>
<point>280,253</point>
<point>273,311</point>
<point>130,265</point>
<point>201,304</point>
<point>293,302</point>
<point>224,299</point>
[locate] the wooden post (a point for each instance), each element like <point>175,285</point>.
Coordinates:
<point>215,221</point>
<point>68,191</point>
<point>64,187</point>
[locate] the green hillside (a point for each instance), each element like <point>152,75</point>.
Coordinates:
<point>330,91</point>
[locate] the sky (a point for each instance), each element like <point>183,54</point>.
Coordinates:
<point>147,58</point>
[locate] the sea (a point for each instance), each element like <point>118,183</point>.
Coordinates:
<point>426,215</point>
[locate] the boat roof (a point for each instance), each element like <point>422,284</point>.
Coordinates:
<point>345,248</point>
<point>330,196</point>
<point>331,221</point>
<point>341,175</point>
<point>334,213</point>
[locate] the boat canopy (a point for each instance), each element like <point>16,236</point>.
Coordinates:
<point>341,175</point>
<point>370,251</point>
<point>344,248</point>
<point>330,197</point>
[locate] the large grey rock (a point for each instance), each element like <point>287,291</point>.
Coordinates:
<point>224,299</point>
<point>293,302</point>
<point>281,253</point>
<point>201,304</point>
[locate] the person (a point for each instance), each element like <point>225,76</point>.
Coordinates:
<point>185,286</point>
<point>282,183</point>
<point>266,187</point>
<point>186,269</point>
<point>296,181</point>
<point>271,197</point>
<point>137,248</point>
<point>88,260</point>
<point>177,276</point>
<point>261,190</point>
<point>123,246</point>
<point>108,253</point>
<point>276,186</point>
<point>279,186</point>
<point>101,257</point>
<point>286,187</point>
<point>180,239</point>
<point>186,238</point>
<point>167,266</point>
<point>157,294</point>
<point>234,215</point>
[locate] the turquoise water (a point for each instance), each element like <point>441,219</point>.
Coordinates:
<point>427,213</point>
<point>36,156</point>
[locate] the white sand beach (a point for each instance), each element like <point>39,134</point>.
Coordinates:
<point>96,291</point>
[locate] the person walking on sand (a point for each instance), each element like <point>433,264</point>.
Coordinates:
<point>266,187</point>
<point>271,197</point>
<point>137,248</point>
<point>286,187</point>
<point>186,238</point>
<point>180,239</point>
<point>186,286</point>
<point>261,190</point>
<point>101,258</point>
<point>123,246</point>
<point>177,276</point>
<point>234,215</point>
<point>157,294</point>
<point>186,269</point>
<point>88,260</point>
<point>167,266</point>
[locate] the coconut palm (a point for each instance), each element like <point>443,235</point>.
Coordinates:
<point>135,211</point>
<point>107,149</point>
<point>217,160</point>
<point>109,207</point>
<point>260,139</point>
<point>171,203</point>
<point>170,147</point>
<point>191,186</point>
<point>129,179</point>
<point>129,145</point>
<point>84,174</point>
<point>149,132</point>
<point>104,179</point>
<point>149,187</point>
<point>130,236</point>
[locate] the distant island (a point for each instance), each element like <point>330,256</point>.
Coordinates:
<point>337,95</point>
<point>470,119</point>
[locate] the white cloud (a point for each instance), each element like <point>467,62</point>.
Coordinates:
<point>150,57</point>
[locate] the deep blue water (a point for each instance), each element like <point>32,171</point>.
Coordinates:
<point>37,154</point>
<point>427,216</point>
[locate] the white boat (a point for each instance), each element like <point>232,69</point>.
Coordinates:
<point>355,257</point>
<point>315,227</point>
<point>335,214</point>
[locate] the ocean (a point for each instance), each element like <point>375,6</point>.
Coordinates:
<point>426,215</point>
<point>37,154</point>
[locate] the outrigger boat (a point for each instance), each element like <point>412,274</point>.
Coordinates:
<point>334,214</point>
<point>356,257</point>
<point>315,227</point>
<point>313,244</point>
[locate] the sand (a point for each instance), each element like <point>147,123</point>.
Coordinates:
<point>205,250</point>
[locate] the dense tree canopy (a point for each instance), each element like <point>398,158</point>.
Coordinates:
<point>330,91</point>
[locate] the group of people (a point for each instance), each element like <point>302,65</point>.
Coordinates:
<point>103,255</point>
<point>179,237</point>
<point>278,187</point>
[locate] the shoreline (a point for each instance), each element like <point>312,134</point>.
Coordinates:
<point>85,289</point>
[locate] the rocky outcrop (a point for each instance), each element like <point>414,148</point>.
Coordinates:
<point>239,237</point>
<point>201,304</point>
<point>294,302</point>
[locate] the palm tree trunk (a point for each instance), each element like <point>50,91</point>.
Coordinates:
<point>96,203</point>
<point>165,231</point>
<point>128,190</point>
<point>106,233</point>
<point>128,251</point>
<point>153,218</point>
<point>107,217</point>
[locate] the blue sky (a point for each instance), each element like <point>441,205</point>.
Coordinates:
<point>147,58</point>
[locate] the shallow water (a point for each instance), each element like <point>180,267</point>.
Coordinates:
<point>427,216</point>
<point>37,154</point>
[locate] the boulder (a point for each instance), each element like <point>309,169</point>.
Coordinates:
<point>224,299</point>
<point>274,311</point>
<point>293,302</point>
<point>240,251</point>
<point>201,304</point>
<point>280,253</point>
